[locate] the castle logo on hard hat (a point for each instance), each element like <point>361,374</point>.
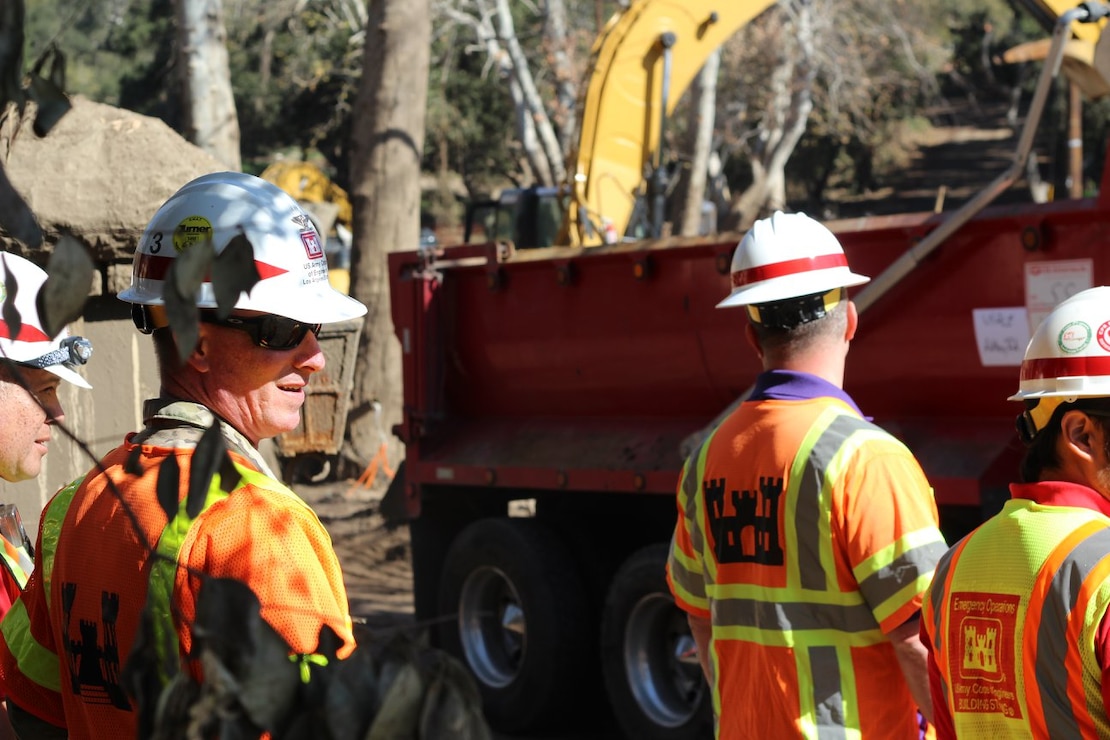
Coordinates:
<point>1074,337</point>
<point>190,231</point>
<point>311,243</point>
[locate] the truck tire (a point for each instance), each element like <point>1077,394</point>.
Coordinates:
<point>521,622</point>
<point>652,677</point>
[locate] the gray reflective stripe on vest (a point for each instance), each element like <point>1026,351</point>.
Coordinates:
<point>937,595</point>
<point>1052,637</point>
<point>827,698</point>
<point>795,617</point>
<point>811,518</point>
<point>887,581</point>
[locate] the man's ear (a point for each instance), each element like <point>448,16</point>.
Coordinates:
<point>853,322</point>
<point>1077,430</point>
<point>199,359</point>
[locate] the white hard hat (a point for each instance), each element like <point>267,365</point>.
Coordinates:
<point>288,251</point>
<point>788,255</point>
<point>1069,354</point>
<point>31,345</point>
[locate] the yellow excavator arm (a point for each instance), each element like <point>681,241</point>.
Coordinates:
<point>644,59</point>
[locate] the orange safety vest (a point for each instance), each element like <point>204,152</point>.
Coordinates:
<point>66,639</point>
<point>1013,618</point>
<point>805,534</point>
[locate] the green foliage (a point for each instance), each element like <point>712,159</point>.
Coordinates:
<point>469,122</point>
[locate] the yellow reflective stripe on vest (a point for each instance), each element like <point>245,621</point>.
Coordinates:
<point>36,662</point>
<point>687,578</point>
<point>163,575</point>
<point>51,527</point>
<point>11,562</point>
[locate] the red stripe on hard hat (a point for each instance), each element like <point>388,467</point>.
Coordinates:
<point>789,267</point>
<point>27,333</point>
<point>155,267</point>
<point>1064,367</point>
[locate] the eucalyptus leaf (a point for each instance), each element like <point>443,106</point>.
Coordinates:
<point>183,280</point>
<point>452,705</point>
<point>233,272</point>
<point>168,486</point>
<point>9,311</point>
<point>230,625</point>
<point>207,460</point>
<point>190,268</point>
<point>15,215</point>
<point>399,715</point>
<point>11,53</point>
<point>62,297</point>
<point>51,103</point>
<point>183,317</point>
<point>351,702</point>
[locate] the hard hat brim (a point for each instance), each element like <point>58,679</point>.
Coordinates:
<point>69,375</point>
<point>777,289</point>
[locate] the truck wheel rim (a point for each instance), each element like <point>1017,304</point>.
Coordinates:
<point>492,629</point>
<point>660,661</point>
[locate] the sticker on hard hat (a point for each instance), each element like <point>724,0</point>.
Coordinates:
<point>312,244</point>
<point>1103,336</point>
<point>191,230</point>
<point>1074,337</point>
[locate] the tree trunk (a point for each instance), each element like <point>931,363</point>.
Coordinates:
<point>561,48</point>
<point>530,97</point>
<point>702,120</point>
<point>387,143</point>
<point>210,118</point>
<point>787,115</point>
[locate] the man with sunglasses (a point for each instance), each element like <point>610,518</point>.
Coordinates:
<point>245,377</point>
<point>1016,618</point>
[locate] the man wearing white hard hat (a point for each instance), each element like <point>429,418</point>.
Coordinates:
<point>806,535</point>
<point>245,380</point>
<point>32,366</point>
<point>1016,620</point>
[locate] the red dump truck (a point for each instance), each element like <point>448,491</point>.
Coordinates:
<point>549,395</point>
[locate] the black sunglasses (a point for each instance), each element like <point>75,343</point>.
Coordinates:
<point>267,330</point>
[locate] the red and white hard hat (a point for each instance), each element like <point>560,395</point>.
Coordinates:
<point>788,255</point>
<point>1068,356</point>
<point>31,345</point>
<point>288,251</point>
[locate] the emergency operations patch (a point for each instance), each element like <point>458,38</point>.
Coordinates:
<point>1074,337</point>
<point>982,640</point>
<point>191,230</point>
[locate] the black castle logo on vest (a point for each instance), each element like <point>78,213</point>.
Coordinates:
<point>757,510</point>
<point>94,669</point>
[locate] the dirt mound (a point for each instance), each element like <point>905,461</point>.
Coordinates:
<point>100,174</point>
